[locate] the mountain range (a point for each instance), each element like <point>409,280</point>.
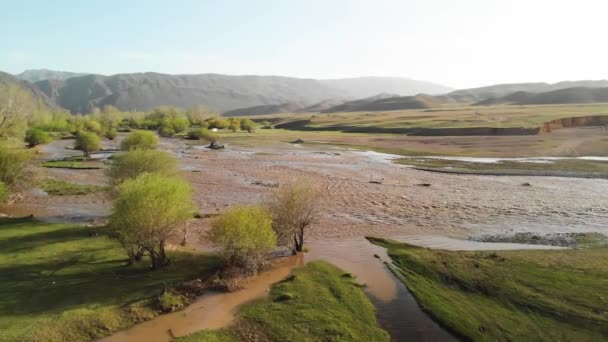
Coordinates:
<point>254,95</point>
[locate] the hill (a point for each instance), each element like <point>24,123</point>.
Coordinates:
<point>144,91</point>
<point>37,94</point>
<point>501,90</point>
<point>383,102</point>
<point>35,75</point>
<point>288,107</point>
<point>561,96</point>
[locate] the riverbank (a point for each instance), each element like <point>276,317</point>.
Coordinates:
<point>509,295</point>
<point>317,300</point>
<point>68,282</point>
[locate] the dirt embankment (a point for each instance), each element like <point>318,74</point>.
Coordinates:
<point>548,127</point>
<point>581,121</point>
<point>303,125</point>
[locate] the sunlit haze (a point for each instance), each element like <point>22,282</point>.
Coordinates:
<point>457,43</point>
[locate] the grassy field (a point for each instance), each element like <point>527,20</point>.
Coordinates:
<point>64,282</point>
<point>60,188</point>
<point>318,302</point>
<point>509,295</point>
<point>580,168</point>
<point>450,117</point>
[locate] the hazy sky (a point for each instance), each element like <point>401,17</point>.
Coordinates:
<point>460,43</point>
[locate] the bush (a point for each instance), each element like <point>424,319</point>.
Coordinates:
<point>247,125</point>
<point>171,300</point>
<point>3,192</point>
<point>128,165</point>
<point>140,140</point>
<point>111,133</point>
<point>203,134</point>
<point>13,161</point>
<point>234,124</point>
<point>218,123</point>
<point>166,131</point>
<point>246,236</point>
<point>36,136</point>
<point>146,212</point>
<point>87,142</point>
<point>92,126</point>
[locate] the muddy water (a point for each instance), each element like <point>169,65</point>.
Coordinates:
<point>210,311</point>
<point>397,310</point>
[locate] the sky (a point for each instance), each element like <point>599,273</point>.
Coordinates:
<point>463,43</point>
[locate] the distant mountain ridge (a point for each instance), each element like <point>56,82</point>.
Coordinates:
<point>144,91</point>
<point>560,96</point>
<point>35,75</point>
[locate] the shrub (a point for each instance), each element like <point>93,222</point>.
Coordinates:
<point>3,192</point>
<point>17,107</point>
<point>146,212</point>
<point>111,133</point>
<point>234,124</point>
<point>180,124</point>
<point>247,125</point>
<point>140,140</point>
<point>92,126</point>
<point>171,300</point>
<point>87,142</point>
<point>218,123</point>
<point>246,235</point>
<point>166,131</point>
<point>36,136</point>
<point>128,165</point>
<point>203,134</point>
<point>13,161</point>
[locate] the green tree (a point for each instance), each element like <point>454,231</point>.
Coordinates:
<point>146,212</point>
<point>36,136</point>
<point>166,130</point>
<point>129,165</point>
<point>218,123</point>
<point>294,208</point>
<point>203,134</point>
<point>246,236</point>
<point>87,142</point>
<point>140,140</point>
<point>247,125</point>
<point>13,162</point>
<point>92,126</point>
<point>111,133</point>
<point>16,107</point>
<point>234,124</point>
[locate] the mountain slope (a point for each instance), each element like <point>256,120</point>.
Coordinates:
<point>501,90</point>
<point>561,96</point>
<point>35,75</point>
<point>36,93</point>
<point>288,107</point>
<point>144,91</point>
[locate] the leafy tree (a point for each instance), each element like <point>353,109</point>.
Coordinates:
<point>140,140</point>
<point>129,165</point>
<point>16,107</point>
<point>3,192</point>
<point>246,236</point>
<point>234,124</point>
<point>166,131</point>
<point>197,115</point>
<point>247,125</point>
<point>87,142</point>
<point>203,134</point>
<point>294,208</point>
<point>92,126</point>
<point>36,136</point>
<point>111,133</point>
<point>180,124</point>
<point>218,123</point>
<point>146,212</point>
<point>13,162</point>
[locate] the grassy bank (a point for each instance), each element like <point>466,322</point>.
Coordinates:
<point>64,282</point>
<point>565,167</point>
<point>76,162</point>
<point>60,188</point>
<point>318,302</point>
<point>509,295</point>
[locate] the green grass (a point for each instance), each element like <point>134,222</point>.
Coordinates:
<point>71,164</point>
<point>583,168</point>
<point>63,282</point>
<point>60,188</point>
<point>509,295</point>
<point>318,302</point>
